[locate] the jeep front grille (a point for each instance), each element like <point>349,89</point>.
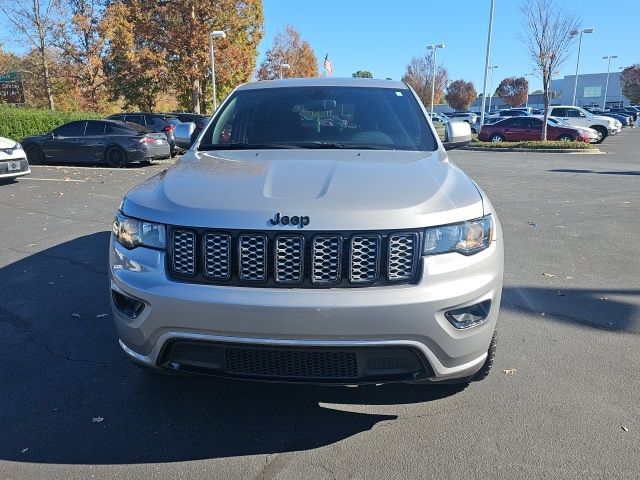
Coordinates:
<point>304,260</point>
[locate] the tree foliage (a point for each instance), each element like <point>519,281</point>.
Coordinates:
<point>513,91</point>
<point>460,94</point>
<point>81,40</point>
<point>362,74</point>
<point>419,74</point>
<point>289,47</point>
<point>547,36</point>
<point>630,80</point>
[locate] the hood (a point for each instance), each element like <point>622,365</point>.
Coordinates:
<point>336,189</point>
<point>603,118</point>
<point>6,142</point>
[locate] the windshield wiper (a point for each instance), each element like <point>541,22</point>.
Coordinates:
<point>244,146</point>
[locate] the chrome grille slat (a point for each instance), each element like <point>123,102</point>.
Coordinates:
<point>216,249</point>
<point>364,259</point>
<point>401,256</point>
<point>298,259</point>
<point>252,257</point>
<point>326,259</point>
<point>289,259</point>
<point>184,252</point>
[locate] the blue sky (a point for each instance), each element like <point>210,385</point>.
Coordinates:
<point>382,36</point>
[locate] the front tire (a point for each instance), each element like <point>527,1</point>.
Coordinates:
<point>602,133</point>
<point>115,157</point>
<point>488,363</point>
<point>35,154</point>
<point>565,138</point>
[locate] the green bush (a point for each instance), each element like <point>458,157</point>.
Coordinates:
<point>17,123</point>
<point>535,144</point>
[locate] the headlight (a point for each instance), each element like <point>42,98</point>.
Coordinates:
<point>131,232</point>
<point>12,150</point>
<point>466,238</point>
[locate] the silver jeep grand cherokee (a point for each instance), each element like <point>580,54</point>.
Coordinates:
<point>315,232</point>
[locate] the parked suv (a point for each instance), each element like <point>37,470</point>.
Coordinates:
<point>579,117</point>
<point>155,122</point>
<point>281,247</point>
<point>468,117</point>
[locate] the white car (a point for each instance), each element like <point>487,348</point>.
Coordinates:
<point>468,117</point>
<point>13,161</point>
<point>589,133</point>
<point>579,117</point>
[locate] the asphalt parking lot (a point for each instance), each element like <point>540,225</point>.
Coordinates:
<point>562,401</point>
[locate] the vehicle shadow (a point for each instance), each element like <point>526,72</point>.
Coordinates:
<point>610,309</point>
<point>69,395</point>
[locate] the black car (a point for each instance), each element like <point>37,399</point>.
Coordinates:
<point>155,122</point>
<point>513,113</point>
<point>116,143</point>
<point>199,120</point>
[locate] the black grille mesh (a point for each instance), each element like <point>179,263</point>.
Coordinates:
<point>291,363</point>
<point>302,260</point>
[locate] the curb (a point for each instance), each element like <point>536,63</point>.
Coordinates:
<point>590,151</point>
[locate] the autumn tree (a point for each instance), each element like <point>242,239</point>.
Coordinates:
<point>548,33</point>
<point>289,47</point>
<point>460,94</point>
<point>183,28</point>
<point>83,45</point>
<point>136,61</point>
<point>513,91</point>
<point>362,74</point>
<point>630,80</point>
<point>419,74</point>
<point>35,21</point>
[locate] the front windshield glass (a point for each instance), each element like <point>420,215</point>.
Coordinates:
<point>320,117</point>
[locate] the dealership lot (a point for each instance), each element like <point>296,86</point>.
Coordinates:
<point>561,403</point>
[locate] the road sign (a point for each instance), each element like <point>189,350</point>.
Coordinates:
<point>11,88</point>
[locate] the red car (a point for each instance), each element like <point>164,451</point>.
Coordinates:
<point>517,129</point>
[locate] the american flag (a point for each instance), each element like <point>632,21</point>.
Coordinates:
<point>328,66</point>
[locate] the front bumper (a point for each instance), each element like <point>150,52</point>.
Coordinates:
<point>23,169</point>
<point>402,316</point>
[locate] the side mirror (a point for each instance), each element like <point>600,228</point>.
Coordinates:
<point>182,134</point>
<point>456,135</point>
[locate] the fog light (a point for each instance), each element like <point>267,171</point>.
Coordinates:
<point>470,316</point>
<point>127,306</point>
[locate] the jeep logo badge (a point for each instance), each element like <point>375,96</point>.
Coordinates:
<point>301,221</point>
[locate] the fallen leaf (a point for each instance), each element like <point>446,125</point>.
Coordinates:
<point>24,450</point>
<point>31,245</point>
<point>625,429</point>
<point>542,314</point>
<point>75,315</point>
<point>509,371</point>
<point>101,315</point>
<point>559,226</point>
<point>548,274</point>
<point>560,294</point>
<point>604,299</point>
<point>568,277</point>
<point>97,419</point>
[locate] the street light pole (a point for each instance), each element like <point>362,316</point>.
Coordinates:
<point>491,86</point>
<point>575,84</point>
<point>606,85</point>
<point>486,65</point>
<point>213,35</point>
<point>433,77</point>
<point>283,66</point>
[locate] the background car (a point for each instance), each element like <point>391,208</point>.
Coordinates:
<point>199,120</point>
<point>513,112</point>
<point>468,117</point>
<point>113,142</point>
<point>13,160</point>
<point>517,129</point>
<point>589,133</point>
<point>155,122</point>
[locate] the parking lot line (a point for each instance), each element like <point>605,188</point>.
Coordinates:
<point>53,179</point>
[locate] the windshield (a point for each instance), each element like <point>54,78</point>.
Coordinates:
<point>320,117</point>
